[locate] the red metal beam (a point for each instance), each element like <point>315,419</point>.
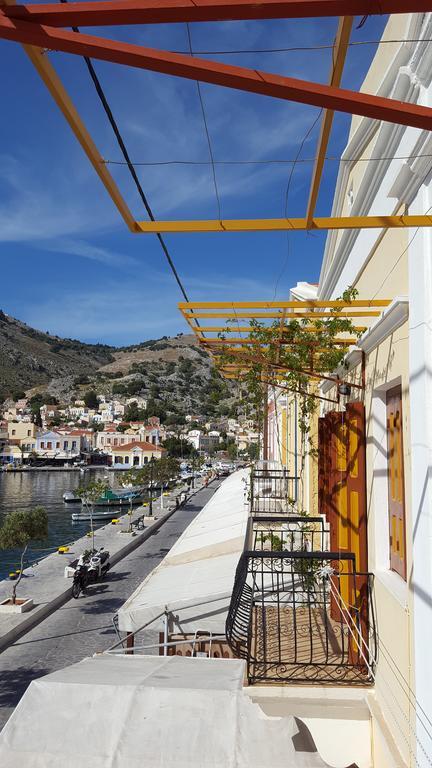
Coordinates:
<point>161,11</point>
<point>239,78</point>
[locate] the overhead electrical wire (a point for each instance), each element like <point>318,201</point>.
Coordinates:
<point>201,101</point>
<point>300,48</point>
<point>287,191</point>
<point>276,161</point>
<point>128,162</point>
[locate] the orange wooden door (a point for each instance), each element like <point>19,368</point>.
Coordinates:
<point>342,481</point>
<point>343,494</point>
<point>396,491</point>
<point>356,483</point>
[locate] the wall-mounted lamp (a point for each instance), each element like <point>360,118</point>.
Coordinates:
<point>344,389</point>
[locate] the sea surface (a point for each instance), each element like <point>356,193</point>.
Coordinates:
<point>24,490</point>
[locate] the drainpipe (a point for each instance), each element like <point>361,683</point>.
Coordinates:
<point>295,450</point>
<point>265,422</point>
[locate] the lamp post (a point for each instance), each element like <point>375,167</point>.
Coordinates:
<point>151,486</point>
<point>193,472</point>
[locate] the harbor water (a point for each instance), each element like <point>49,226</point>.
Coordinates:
<point>25,490</point>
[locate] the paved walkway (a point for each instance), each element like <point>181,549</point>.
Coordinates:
<point>44,581</point>
<point>82,627</point>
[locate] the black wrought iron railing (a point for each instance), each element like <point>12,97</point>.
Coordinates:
<point>302,616</point>
<point>288,533</point>
<point>273,491</point>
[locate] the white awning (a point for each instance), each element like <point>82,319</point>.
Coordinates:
<point>195,580</point>
<point>147,712</point>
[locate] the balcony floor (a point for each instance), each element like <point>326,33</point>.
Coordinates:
<point>303,644</point>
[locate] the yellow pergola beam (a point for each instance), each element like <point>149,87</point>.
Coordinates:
<point>57,90</point>
<point>246,342</point>
<point>273,225</point>
<point>271,316</point>
<point>339,55</point>
<point>250,328</point>
<point>334,304</point>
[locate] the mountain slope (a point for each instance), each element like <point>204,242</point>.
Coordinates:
<point>174,374</point>
<point>29,357</point>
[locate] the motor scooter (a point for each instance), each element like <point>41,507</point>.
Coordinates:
<point>91,567</point>
<point>99,564</point>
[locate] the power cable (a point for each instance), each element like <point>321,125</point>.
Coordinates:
<point>129,164</point>
<point>299,48</point>
<point>276,161</point>
<point>287,191</point>
<point>198,85</point>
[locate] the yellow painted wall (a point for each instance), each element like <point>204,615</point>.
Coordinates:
<point>18,430</point>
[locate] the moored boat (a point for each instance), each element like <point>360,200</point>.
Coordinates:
<point>70,497</point>
<point>121,498</point>
<point>97,514</point>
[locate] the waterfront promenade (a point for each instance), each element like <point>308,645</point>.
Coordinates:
<point>82,627</point>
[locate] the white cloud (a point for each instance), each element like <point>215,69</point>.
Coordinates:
<point>127,313</point>
<point>37,207</point>
<point>89,251</point>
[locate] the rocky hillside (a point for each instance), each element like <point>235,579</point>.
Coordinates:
<point>29,357</point>
<point>174,373</point>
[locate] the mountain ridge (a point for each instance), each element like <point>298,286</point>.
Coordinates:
<point>173,370</point>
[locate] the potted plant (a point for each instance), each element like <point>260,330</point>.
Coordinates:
<point>18,530</point>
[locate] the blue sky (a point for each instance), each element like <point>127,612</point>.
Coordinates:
<point>70,266</point>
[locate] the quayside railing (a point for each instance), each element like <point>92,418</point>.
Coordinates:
<point>301,615</point>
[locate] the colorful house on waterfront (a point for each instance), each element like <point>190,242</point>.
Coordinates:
<point>60,447</point>
<point>135,454</point>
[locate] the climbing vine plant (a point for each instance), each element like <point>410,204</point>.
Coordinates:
<point>309,346</point>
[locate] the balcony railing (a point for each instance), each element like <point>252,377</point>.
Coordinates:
<point>292,533</point>
<point>273,491</point>
<point>301,615</point>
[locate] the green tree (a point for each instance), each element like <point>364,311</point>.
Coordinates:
<point>178,448</point>
<point>90,399</point>
<point>232,451</point>
<point>134,478</point>
<point>134,387</point>
<point>166,469</point>
<point>155,408</point>
<point>119,389</point>
<point>18,530</point>
<point>89,494</point>
<point>253,451</point>
<point>133,413</point>
<point>18,394</point>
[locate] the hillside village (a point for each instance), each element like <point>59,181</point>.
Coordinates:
<point>158,396</point>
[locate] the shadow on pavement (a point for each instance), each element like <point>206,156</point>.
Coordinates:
<point>108,605</point>
<point>117,575</point>
<point>13,684</point>
<point>56,637</point>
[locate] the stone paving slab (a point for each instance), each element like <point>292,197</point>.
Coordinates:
<point>45,582</point>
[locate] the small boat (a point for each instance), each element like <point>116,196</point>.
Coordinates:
<point>70,497</point>
<point>121,498</point>
<point>85,515</point>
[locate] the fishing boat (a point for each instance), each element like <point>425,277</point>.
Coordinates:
<point>121,498</point>
<point>69,497</point>
<point>87,514</point>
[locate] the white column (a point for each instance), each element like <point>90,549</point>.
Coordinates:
<point>420,367</point>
